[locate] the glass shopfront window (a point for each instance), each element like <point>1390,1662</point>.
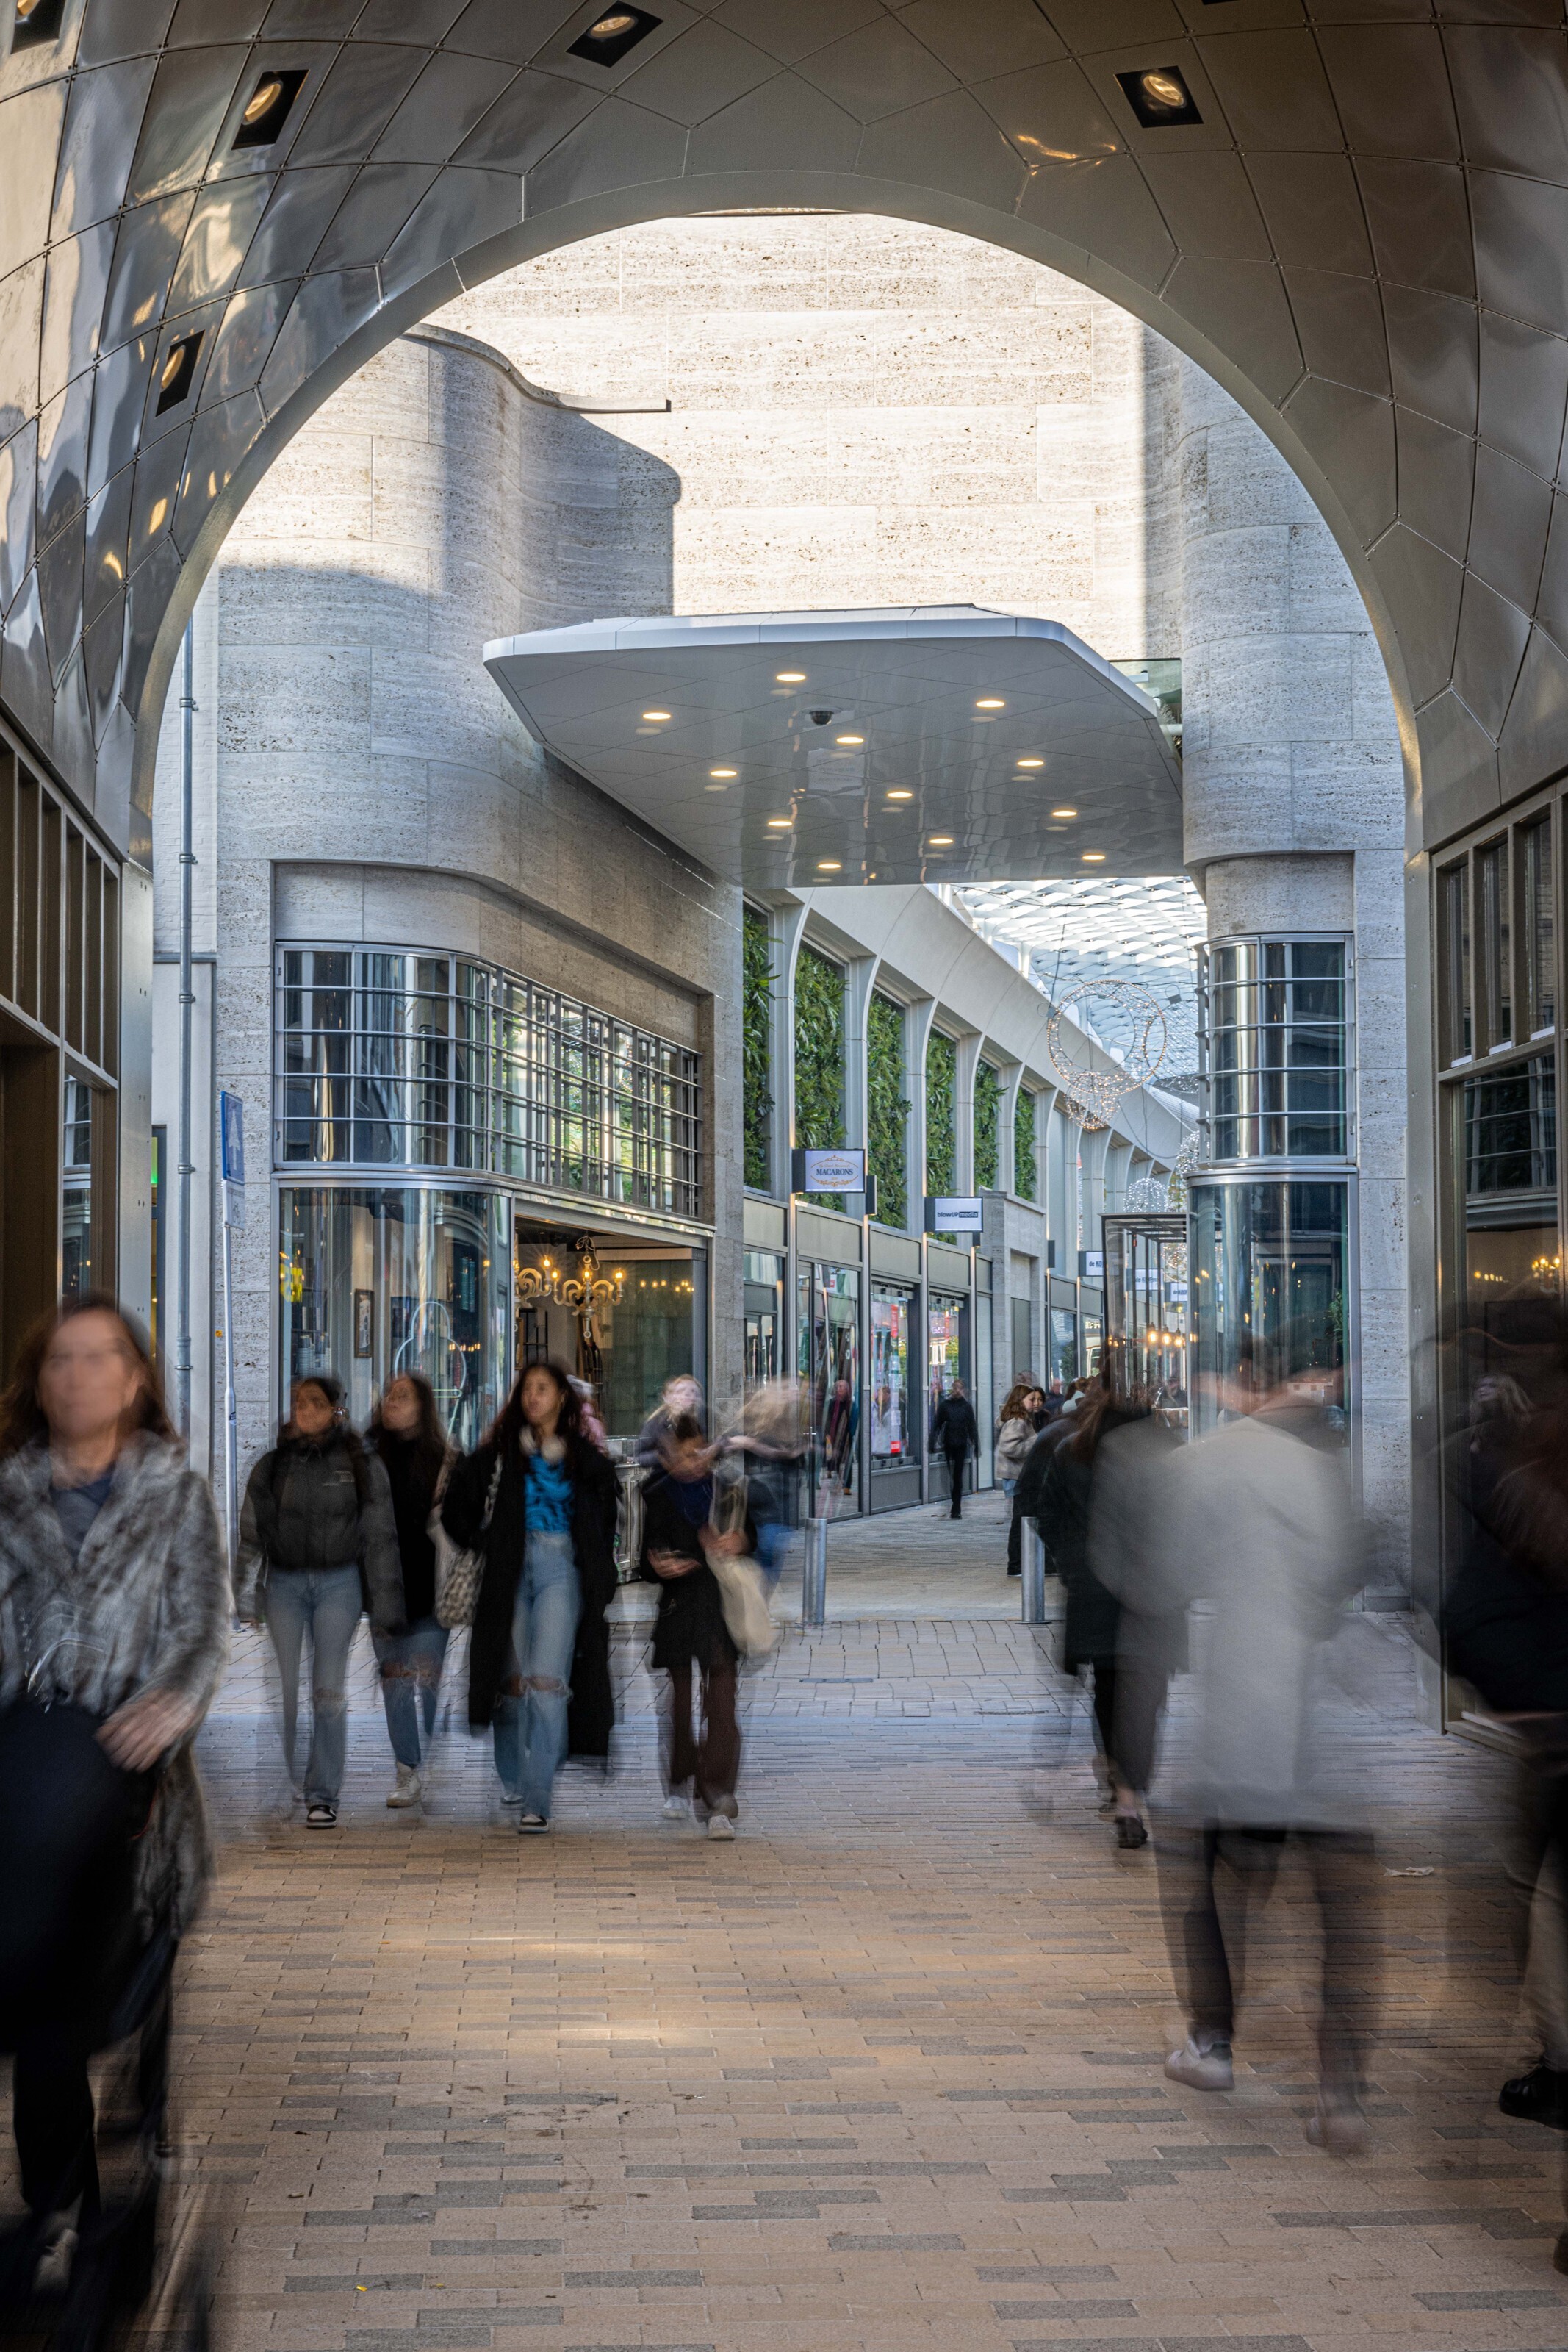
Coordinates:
<point>895,1440</point>
<point>1272,1265</point>
<point>1063,1346</point>
<point>946,1347</point>
<point>624,1313</point>
<point>76,1228</point>
<point>375,1281</point>
<point>763,1276</point>
<point>1511,1263</point>
<point>828,1329</point>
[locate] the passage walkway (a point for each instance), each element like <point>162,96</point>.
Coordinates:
<point>884,2072</point>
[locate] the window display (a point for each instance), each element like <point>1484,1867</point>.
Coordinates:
<point>893,1440</point>
<point>829,1364</point>
<point>421,1276</point>
<point>1272,1264</point>
<point>763,1276</point>
<point>947,1332</point>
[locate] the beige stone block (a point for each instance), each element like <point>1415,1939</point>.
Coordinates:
<point>315,592</point>
<point>772,559</point>
<point>294,699</point>
<point>1024,557</point>
<point>320,485</point>
<point>391,394</point>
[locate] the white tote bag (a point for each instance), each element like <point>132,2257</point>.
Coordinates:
<point>742,1596</point>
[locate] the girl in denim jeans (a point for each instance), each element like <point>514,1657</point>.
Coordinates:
<point>537,1500</point>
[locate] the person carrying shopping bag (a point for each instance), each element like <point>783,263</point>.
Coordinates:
<point>536,1502</point>
<point>680,1542</point>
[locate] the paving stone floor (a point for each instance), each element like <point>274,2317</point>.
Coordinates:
<point>884,2072</point>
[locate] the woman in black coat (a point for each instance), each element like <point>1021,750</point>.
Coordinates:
<point>678,1541</point>
<point>539,1502</point>
<point>1093,1614</point>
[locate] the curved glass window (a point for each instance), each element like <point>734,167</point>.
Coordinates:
<point>1276,1041</point>
<point>385,1057</point>
<point>378,1280</point>
<point>1272,1265</point>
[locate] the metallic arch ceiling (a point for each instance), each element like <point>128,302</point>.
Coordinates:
<point>1358,225</point>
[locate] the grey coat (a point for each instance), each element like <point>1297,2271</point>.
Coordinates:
<point>147,1607</point>
<point>303,1510</point>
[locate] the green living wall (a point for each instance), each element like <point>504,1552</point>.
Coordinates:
<point>941,1114</point>
<point>988,1128</point>
<point>756,1062</point>
<point>818,1057</point>
<point>888,1108</point>
<point>1023,1145</point>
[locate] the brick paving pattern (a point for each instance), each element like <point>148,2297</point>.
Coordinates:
<point>885,2072</point>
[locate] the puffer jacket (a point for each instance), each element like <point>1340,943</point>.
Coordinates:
<point>1014,1439</point>
<point>150,1595</point>
<point>305,1507</point>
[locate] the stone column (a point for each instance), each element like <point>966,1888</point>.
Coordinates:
<point>1294,808</point>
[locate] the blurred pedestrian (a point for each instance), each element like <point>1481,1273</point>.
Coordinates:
<point>680,1399</point>
<point>954,1435</point>
<point>113,1634</point>
<point>1090,1632</point>
<point>1262,1527</point>
<point>772,1443</point>
<point>1021,1419</point>
<point>588,1412</point>
<point>408,1437</point>
<point>539,1502</point>
<point>318,1547</point>
<point>679,1537</point>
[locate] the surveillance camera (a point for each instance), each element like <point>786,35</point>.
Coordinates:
<point>818,718</point>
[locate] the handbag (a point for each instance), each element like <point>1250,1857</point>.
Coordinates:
<point>459,1573</point>
<point>742,1595</point>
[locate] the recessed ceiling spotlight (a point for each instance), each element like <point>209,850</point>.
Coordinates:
<point>1031,764</point>
<point>990,702</point>
<point>726,772</point>
<point>829,865</point>
<point>901,796</point>
<point>1094,858</point>
<point>179,372</point>
<point>37,21</point>
<point>1159,97</point>
<point>940,841</point>
<point>609,37</point>
<point>789,677</point>
<point>655,714</point>
<point>1064,812</point>
<point>780,823</point>
<point>848,738</point>
<point>267,108</point>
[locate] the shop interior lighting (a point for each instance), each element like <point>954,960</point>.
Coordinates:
<point>780,823</point>
<point>36,22</point>
<point>1094,858</point>
<point>609,37</point>
<point>1159,97</point>
<point>655,715</point>
<point>1064,812</point>
<point>901,796</point>
<point>179,372</point>
<point>789,677</point>
<point>940,841</point>
<point>1031,764</point>
<point>726,772</point>
<point>829,865</point>
<point>990,702</point>
<point>268,108</point>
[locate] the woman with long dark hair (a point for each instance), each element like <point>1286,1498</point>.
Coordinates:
<point>538,1501</point>
<point>318,1548</point>
<point>113,1637</point>
<point>407,1436</point>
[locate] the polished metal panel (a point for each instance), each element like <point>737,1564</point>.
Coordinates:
<point>1365,236</point>
<point>774,782</point>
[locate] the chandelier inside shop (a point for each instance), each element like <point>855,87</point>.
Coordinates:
<point>584,1292</point>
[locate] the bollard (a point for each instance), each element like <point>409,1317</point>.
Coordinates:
<point>1033,1594</point>
<point>814,1573</point>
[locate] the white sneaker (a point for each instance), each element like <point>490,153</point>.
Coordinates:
<point>720,1827</point>
<point>321,1816</point>
<point>532,1825</point>
<point>676,1808</point>
<point>60,2241</point>
<point>1203,2063</point>
<point>408,1788</point>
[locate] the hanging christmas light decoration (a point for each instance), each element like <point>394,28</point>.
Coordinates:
<point>1091,1095</point>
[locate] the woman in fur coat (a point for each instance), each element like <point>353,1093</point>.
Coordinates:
<point>113,1639</point>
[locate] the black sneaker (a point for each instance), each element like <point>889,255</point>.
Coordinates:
<point>321,1817</point>
<point>1539,2097</point>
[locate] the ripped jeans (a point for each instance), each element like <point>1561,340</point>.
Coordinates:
<point>530,1714</point>
<point>326,1602</point>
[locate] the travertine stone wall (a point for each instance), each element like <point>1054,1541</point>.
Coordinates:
<point>863,412</point>
<point>1294,817</point>
<point>370,781</point>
